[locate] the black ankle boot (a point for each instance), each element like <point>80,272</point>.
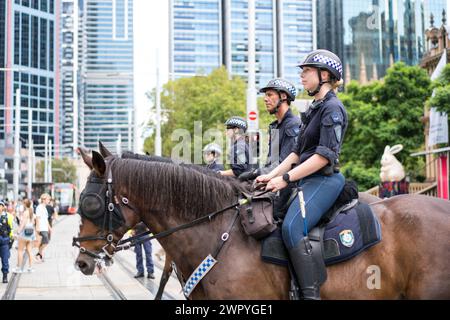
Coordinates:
<point>310,271</point>
<point>5,278</point>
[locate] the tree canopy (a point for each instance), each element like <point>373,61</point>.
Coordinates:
<point>63,170</point>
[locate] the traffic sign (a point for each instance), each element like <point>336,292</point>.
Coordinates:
<point>252,115</point>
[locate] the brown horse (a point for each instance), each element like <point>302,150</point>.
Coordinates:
<point>412,261</point>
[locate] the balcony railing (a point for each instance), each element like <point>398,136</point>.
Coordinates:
<point>428,189</point>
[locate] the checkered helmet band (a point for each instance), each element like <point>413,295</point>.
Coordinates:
<point>329,62</point>
<point>282,85</point>
<point>237,122</point>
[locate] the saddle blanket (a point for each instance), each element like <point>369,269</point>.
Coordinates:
<point>349,233</point>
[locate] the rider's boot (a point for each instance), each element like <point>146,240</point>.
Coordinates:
<point>310,270</point>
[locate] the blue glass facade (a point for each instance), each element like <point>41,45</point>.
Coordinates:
<point>107,86</point>
<point>31,47</point>
<point>369,35</point>
<point>435,8</point>
<point>206,34</point>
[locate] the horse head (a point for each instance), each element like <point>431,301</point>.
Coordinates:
<point>105,215</point>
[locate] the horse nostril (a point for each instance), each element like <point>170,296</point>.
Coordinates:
<point>82,265</point>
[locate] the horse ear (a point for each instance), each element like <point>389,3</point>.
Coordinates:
<point>396,149</point>
<point>86,158</point>
<point>98,163</point>
<point>103,150</point>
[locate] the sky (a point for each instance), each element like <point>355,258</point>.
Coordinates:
<point>151,35</point>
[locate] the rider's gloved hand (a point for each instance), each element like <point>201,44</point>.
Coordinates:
<point>249,175</point>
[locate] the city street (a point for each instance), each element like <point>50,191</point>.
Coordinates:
<point>57,278</point>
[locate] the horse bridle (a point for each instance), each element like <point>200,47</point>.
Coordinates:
<point>101,211</point>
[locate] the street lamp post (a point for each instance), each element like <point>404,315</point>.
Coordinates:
<point>17,147</point>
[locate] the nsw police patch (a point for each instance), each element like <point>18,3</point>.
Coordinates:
<point>347,238</point>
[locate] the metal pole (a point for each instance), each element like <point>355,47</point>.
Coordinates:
<point>75,79</point>
<point>118,145</point>
<point>30,152</point>
<point>158,142</point>
<point>50,157</point>
<point>45,158</point>
<point>17,147</point>
<point>251,89</point>
<point>130,122</point>
<point>34,165</point>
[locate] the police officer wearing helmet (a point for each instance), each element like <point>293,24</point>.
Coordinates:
<point>6,239</point>
<point>316,158</point>
<point>239,155</point>
<point>211,154</point>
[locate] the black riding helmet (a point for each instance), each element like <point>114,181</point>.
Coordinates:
<point>323,60</point>
<point>281,85</point>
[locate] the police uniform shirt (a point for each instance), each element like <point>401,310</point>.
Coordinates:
<point>239,157</point>
<point>322,131</point>
<point>283,137</point>
<point>214,166</point>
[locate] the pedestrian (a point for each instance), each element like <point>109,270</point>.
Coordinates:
<point>147,245</point>
<point>239,153</point>
<point>6,239</point>
<point>316,157</point>
<point>51,214</point>
<point>211,154</point>
<point>42,226</point>
<point>27,234</point>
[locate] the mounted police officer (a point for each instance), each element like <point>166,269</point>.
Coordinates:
<point>316,157</point>
<point>283,133</point>
<point>6,239</point>
<point>239,155</point>
<point>211,154</point>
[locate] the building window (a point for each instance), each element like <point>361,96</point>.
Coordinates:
<point>43,50</point>
<point>25,39</point>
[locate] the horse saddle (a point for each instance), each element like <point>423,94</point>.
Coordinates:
<point>345,233</point>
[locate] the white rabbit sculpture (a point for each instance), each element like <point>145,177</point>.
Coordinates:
<point>391,168</point>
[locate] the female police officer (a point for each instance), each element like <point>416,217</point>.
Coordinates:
<point>316,159</point>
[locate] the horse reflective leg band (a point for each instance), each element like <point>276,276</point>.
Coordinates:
<point>302,210</point>
<point>198,274</point>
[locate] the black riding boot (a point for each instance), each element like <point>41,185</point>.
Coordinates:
<point>310,270</point>
<point>5,278</point>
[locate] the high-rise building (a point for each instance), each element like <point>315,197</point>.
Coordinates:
<point>370,35</point>
<point>435,8</point>
<point>106,85</point>
<point>28,61</point>
<point>205,34</point>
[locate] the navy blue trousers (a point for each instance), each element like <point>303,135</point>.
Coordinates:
<point>148,257</point>
<point>5,253</point>
<point>319,192</point>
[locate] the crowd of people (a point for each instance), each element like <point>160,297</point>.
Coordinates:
<point>25,226</point>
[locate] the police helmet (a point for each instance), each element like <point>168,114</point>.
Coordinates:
<point>325,60</point>
<point>281,85</point>
<point>2,203</point>
<point>236,122</point>
<point>213,147</point>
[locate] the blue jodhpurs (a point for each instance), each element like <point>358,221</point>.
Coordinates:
<point>319,192</point>
<point>148,257</point>
<point>4,254</point>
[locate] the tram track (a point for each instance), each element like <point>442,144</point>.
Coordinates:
<point>111,287</point>
<point>13,283</point>
<point>149,285</point>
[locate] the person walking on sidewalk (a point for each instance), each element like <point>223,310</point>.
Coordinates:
<point>138,229</point>
<point>6,239</point>
<point>42,226</point>
<point>27,234</point>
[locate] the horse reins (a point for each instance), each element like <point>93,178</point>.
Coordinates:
<point>133,241</point>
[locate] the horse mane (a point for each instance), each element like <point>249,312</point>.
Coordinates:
<point>181,187</point>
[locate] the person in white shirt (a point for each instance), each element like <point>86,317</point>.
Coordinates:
<point>42,226</point>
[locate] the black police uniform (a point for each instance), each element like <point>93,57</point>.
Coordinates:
<point>214,166</point>
<point>239,157</point>
<point>283,137</point>
<point>322,131</point>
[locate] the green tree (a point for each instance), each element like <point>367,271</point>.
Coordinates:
<point>441,98</point>
<point>63,170</point>
<point>384,113</point>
